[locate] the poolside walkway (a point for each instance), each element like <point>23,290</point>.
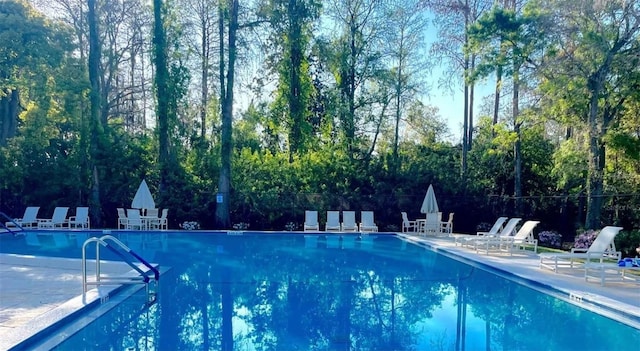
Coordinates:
<point>622,296</point>
<point>35,292</point>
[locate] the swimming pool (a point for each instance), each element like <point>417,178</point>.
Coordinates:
<point>291,292</point>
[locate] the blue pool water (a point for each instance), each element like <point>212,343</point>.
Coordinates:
<point>288,292</point>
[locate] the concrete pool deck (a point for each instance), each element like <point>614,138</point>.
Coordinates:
<point>617,296</point>
<point>36,292</point>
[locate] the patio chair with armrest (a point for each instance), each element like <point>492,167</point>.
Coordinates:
<point>134,221</point>
<point>28,220</point>
<point>447,227</point>
<point>408,225</point>
<point>431,225</point>
<point>603,247</point>
<point>57,220</point>
<point>496,228</point>
<point>122,218</point>
<point>489,242</point>
<point>523,239</point>
<point>81,219</point>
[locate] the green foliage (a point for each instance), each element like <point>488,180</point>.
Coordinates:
<point>570,165</point>
<point>628,242</point>
<point>337,112</point>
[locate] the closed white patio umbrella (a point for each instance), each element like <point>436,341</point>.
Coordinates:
<point>143,198</point>
<point>429,204</point>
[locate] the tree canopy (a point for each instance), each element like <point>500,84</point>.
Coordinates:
<point>246,113</point>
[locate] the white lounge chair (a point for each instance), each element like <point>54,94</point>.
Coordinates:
<point>495,229</point>
<point>523,238</point>
<point>57,220</point>
<point>333,221</point>
<point>311,221</point>
<point>81,219</point>
<point>603,247</point>
<point>488,242</point>
<point>463,239</point>
<point>349,222</point>
<point>407,225</point>
<point>28,220</point>
<point>367,224</point>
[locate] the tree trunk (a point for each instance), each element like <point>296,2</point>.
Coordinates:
<point>496,100</point>
<point>465,123</point>
<point>596,163</point>
<point>162,94</point>
<point>471,99</point>
<point>517,179</point>
<point>95,98</point>
<point>296,108</point>
<point>226,99</point>
<point>9,106</point>
<point>204,75</point>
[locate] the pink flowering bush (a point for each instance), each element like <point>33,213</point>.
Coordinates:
<point>584,240</point>
<point>550,238</point>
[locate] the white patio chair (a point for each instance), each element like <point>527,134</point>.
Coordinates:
<point>333,221</point>
<point>603,247</point>
<point>81,219</point>
<point>122,218</point>
<point>408,225</point>
<point>134,221</point>
<point>367,224</point>
<point>311,221</point>
<point>57,220</point>
<point>28,220</point>
<point>348,222</point>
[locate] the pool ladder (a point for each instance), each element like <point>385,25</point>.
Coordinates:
<point>150,277</point>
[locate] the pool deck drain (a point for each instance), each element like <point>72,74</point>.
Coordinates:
<point>35,292</point>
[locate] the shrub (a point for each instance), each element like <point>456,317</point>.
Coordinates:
<point>290,226</point>
<point>584,239</point>
<point>550,238</point>
<point>483,227</point>
<point>190,225</point>
<point>627,242</point>
<point>241,226</point>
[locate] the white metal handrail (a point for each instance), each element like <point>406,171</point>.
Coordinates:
<point>144,277</point>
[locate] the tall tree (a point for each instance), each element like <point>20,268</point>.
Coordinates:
<point>357,59</point>
<point>29,45</point>
<point>201,27</point>
<point>95,100</point>
<point>227,30</point>
<point>453,18</point>
<point>163,95</point>
<point>596,55</point>
<point>292,22</point>
<point>403,48</point>
<point>507,41</point>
